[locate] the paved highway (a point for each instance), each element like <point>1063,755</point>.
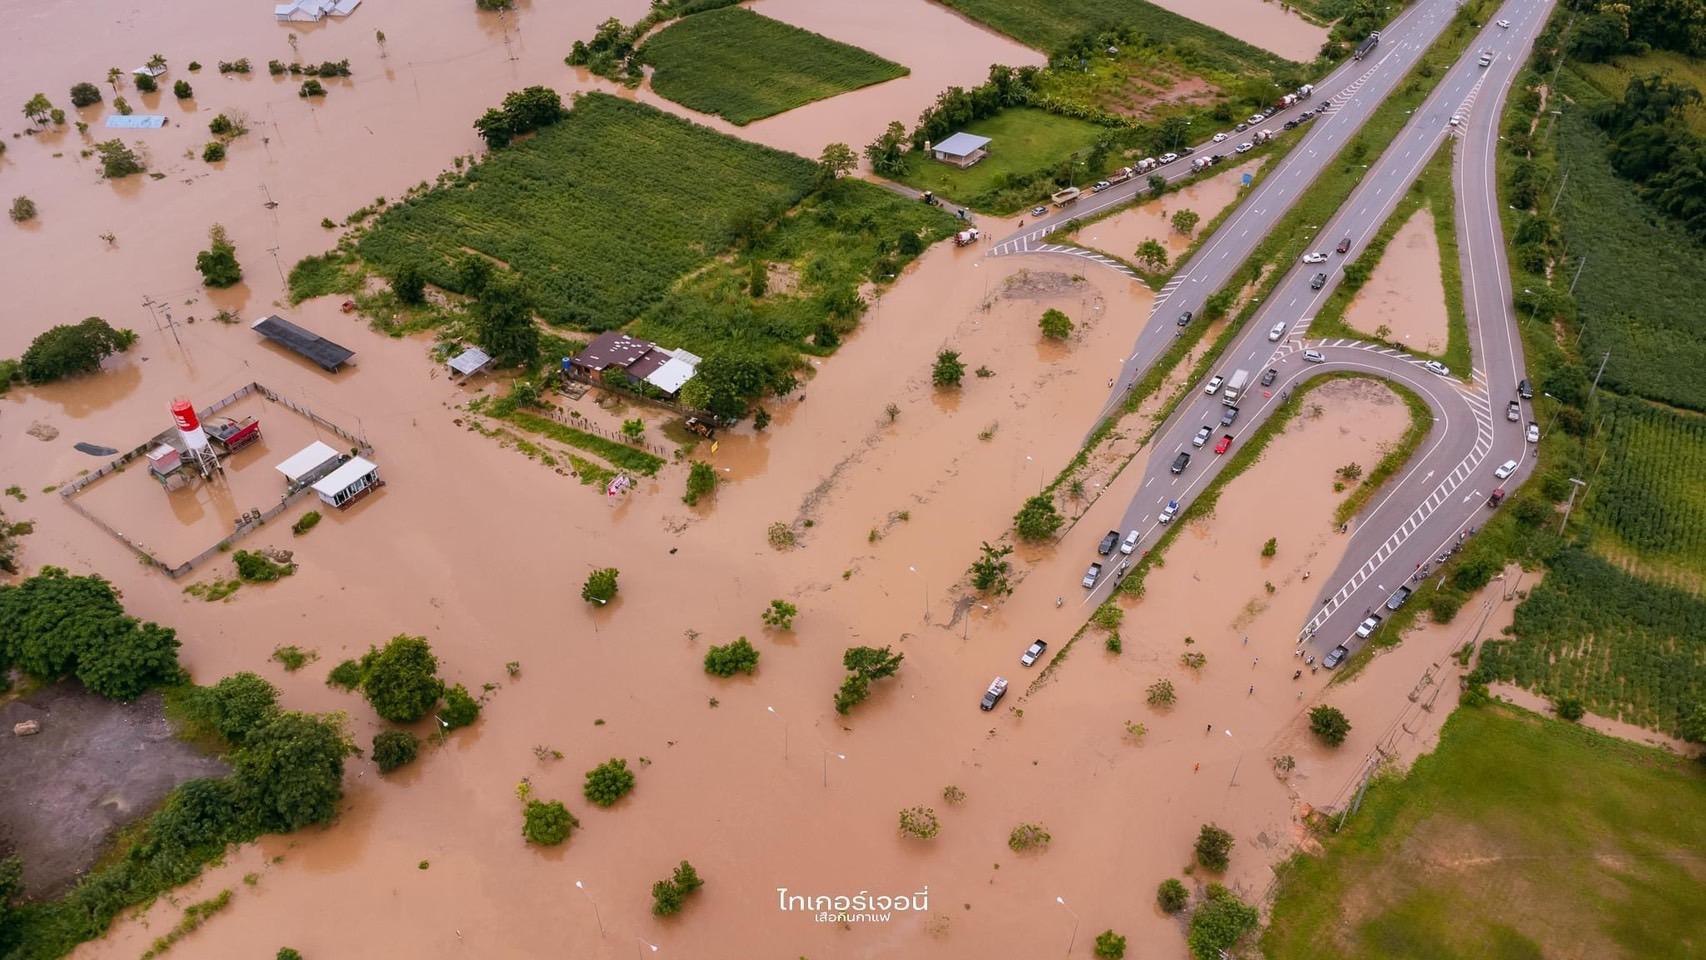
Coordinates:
<point>1442,492</point>
<point>1354,90</point>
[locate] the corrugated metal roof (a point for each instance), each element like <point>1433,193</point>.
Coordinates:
<point>306,461</point>
<point>324,352</point>
<point>469,361</point>
<point>677,371</point>
<point>355,469</point>
<point>961,144</point>
<point>136,121</point>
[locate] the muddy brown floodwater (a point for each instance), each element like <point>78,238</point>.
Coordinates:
<point>1404,293</point>
<point>1121,233</point>
<point>482,551</point>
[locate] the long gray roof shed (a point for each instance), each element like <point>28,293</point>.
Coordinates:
<point>324,352</point>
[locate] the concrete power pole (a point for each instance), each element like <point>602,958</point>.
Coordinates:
<point>1576,488</point>
<point>1602,362</point>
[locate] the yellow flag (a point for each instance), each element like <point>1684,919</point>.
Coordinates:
<point>713,446</point>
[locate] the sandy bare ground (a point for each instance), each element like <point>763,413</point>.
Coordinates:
<point>1529,700</point>
<point>1404,294</point>
<point>1121,233</point>
<point>1259,23</point>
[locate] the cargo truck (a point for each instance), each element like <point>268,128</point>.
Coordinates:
<point>1234,388</point>
<point>1367,46</point>
<point>1062,198</point>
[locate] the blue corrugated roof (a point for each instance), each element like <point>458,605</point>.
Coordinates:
<point>136,121</point>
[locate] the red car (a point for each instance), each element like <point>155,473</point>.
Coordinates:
<point>1345,245</point>
<point>1225,443</point>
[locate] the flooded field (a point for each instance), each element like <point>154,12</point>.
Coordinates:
<point>1121,233</point>
<point>1261,23</point>
<point>1404,295</point>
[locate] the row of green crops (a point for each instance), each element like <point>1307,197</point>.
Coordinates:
<point>1651,493</point>
<point>1626,647</point>
<point>598,214</point>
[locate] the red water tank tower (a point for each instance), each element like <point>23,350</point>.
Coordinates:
<point>194,437</point>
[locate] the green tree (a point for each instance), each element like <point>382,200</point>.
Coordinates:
<point>37,108</point>
<point>286,953</point>
<point>600,586</point>
<point>670,895</point>
<point>1157,184</point>
<point>1185,221</point>
<point>780,614</point>
<point>503,322</point>
<point>291,770</point>
<point>23,210</point>
<point>531,108</point>
<point>1329,724</point>
<point>1220,921</point>
<point>401,680</point>
<point>887,152</point>
<point>836,160</point>
<point>66,350</point>
<point>496,128</point>
<point>1160,694</point>
<point>1055,325</point>
<point>920,823</point>
<point>1110,946</point>
<point>311,88</point>
<point>85,95</point>
<point>236,705</point>
<point>1569,708</point>
<point>1037,519</point>
<point>1269,548</point>
<point>1213,847</point>
<point>634,429</point>
<point>731,658</point>
<point>948,371</point>
<point>1218,303</point>
<point>218,263</point>
<point>608,782</point>
<point>1693,727</point>
<point>213,151</point>
<point>182,90</point>
<point>547,822</point>
<point>989,570</point>
<point>701,482</point>
<point>394,748</point>
<point>54,625</point>
<point>409,284</point>
<point>1171,896</point>
<point>1152,254</point>
<point>146,84</point>
<point>460,708</point>
<point>864,664</point>
<point>115,78</point>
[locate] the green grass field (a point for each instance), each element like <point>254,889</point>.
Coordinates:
<point>1651,494</point>
<point>1048,24</point>
<point>1626,647</point>
<point>1023,140</point>
<point>745,67</point>
<point>1611,78</point>
<point>1643,284</point>
<point>834,241</point>
<point>600,213</point>
<point>1518,838</point>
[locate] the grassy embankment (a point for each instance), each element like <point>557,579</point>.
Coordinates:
<point>1048,24</point>
<point>1432,190</point>
<point>1517,838</point>
<point>744,67</point>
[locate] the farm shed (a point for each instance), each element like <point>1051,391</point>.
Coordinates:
<point>311,11</point>
<point>636,359</point>
<point>349,483</point>
<point>309,464</point>
<point>324,352</point>
<point>469,362</point>
<point>962,149</point>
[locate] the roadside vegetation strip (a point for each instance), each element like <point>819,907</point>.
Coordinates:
<point>588,213</point>
<point>1625,647</point>
<point>1528,804</point>
<point>1048,24</point>
<point>743,66</point>
<point>1431,190</point>
<point>626,457</point>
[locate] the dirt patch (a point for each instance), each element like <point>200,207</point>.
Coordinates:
<point>1040,285</point>
<point>1142,97</point>
<point>1404,298</point>
<point>95,766</point>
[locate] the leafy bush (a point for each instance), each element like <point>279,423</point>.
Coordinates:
<point>864,664</point>
<point>346,674</point>
<point>400,680</point>
<point>1569,708</point>
<point>1329,724</point>
<point>1055,325</point>
<point>394,748</point>
<point>1171,896</point>
<point>1220,921</point>
<point>293,657</point>
<point>1037,519</point>
<point>920,823</point>
<point>218,263</point>
<point>600,586</point>
<point>1028,836</point>
<point>1213,847</point>
<point>311,88</point>
<point>1161,693</point>
<point>291,767</point>
<point>146,83</point>
<point>69,349</point>
<point>1271,547</point>
<point>1110,946</point>
<point>117,160</point>
<point>948,371</point>
<point>85,95</point>
<point>780,614</point>
<point>182,90</point>
<point>460,708</point>
<point>54,625</point>
<point>305,522</point>
<point>221,125</point>
<point>547,822</point>
<point>213,152</point>
<point>608,782</point>
<point>236,705</point>
<point>257,567</point>
<point>731,658</point>
<point>670,895</point>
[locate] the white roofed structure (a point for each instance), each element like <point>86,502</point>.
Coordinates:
<point>962,149</point>
<point>346,484</point>
<point>676,371</point>
<point>309,463</point>
<point>469,362</point>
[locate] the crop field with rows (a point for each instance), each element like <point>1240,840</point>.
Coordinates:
<point>598,214</point>
<point>1628,648</point>
<point>1651,494</point>
<point>745,67</point>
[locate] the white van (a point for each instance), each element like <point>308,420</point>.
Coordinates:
<point>1276,331</point>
